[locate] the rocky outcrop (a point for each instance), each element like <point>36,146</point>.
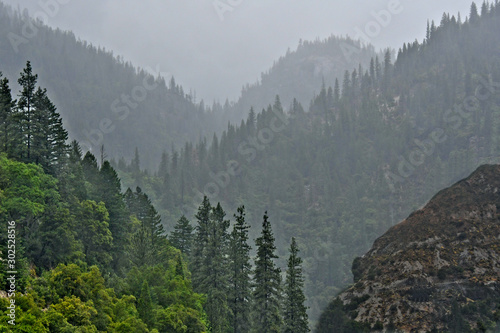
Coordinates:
<point>440,265</point>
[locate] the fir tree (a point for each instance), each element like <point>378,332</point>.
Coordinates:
<point>145,304</point>
<point>295,316</point>
<point>200,242</point>
<point>473,16</point>
<point>267,283</point>
<point>182,236</point>
<point>7,130</point>
<point>110,193</point>
<point>49,147</point>
<point>240,288</point>
<point>149,237</point>
<point>27,81</point>
<point>336,92</point>
<point>216,271</point>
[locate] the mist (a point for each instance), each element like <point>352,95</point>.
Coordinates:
<point>215,47</point>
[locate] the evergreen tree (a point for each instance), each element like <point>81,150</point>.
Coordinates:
<point>49,146</point>
<point>336,91</point>
<point>7,129</point>
<point>149,237</point>
<point>109,190</point>
<point>145,305</point>
<point>240,288</point>
<point>473,16</point>
<point>200,242</point>
<point>27,81</point>
<point>182,236</point>
<point>93,232</point>
<point>295,315</point>
<point>267,284</point>
<point>215,270</point>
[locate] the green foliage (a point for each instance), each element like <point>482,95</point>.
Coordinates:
<point>267,283</point>
<point>81,220</point>
<point>295,316</point>
<point>336,319</point>
<point>145,305</point>
<point>340,173</point>
<point>93,232</point>
<point>240,270</point>
<point>182,236</point>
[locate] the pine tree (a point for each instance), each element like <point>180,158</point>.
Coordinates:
<point>215,270</point>
<point>145,305</point>
<point>336,92</point>
<point>473,16</point>
<point>7,129</point>
<point>267,283</point>
<point>182,236</point>
<point>346,85</point>
<point>109,190</point>
<point>239,256</point>
<point>200,242</point>
<point>251,120</point>
<point>27,81</point>
<point>49,147</point>
<point>295,315</point>
<point>91,175</point>
<point>149,237</point>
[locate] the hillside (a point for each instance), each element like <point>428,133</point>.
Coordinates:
<point>106,101</point>
<point>438,269</point>
<point>301,73</point>
<point>103,100</point>
<point>360,158</point>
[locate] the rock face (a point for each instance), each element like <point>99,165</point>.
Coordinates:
<point>439,267</point>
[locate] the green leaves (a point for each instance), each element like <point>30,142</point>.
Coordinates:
<point>26,190</point>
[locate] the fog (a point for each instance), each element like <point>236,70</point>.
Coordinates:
<point>214,47</point>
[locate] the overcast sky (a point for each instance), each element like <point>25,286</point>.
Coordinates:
<point>216,46</point>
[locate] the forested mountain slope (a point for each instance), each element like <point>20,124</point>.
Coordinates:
<point>301,73</point>
<point>106,101</point>
<point>437,271</point>
<point>365,154</point>
<point>78,254</point>
<point>102,99</point>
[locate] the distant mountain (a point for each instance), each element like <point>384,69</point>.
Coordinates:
<point>102,99</point>
<point>364,154</point>
<point>106,101</point>
<point>301,73</point>
<point>437,271</point>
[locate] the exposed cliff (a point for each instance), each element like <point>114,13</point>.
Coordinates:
<point>438,270</point>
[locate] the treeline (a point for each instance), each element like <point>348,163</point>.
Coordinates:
<point>99,259</point>
<point>366,152</point>
<point>241,298</point>
<point>300,73</point>
<point>102,98</point>
<point>89,258</point>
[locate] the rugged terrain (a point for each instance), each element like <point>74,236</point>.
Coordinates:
<point>438,269</point>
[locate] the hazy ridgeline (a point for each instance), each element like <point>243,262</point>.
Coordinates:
<point>359,148</point>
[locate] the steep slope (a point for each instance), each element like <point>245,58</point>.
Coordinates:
<point>301,73</point>
<point>102,99</point>
<point>437,269</point>
<point>340,173</point>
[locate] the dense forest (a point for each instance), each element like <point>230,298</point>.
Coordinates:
<point>367,152</point>
<point>299,74</point>
<point>105,100</point>
<point>94,259</point>
<point>96,253</point>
